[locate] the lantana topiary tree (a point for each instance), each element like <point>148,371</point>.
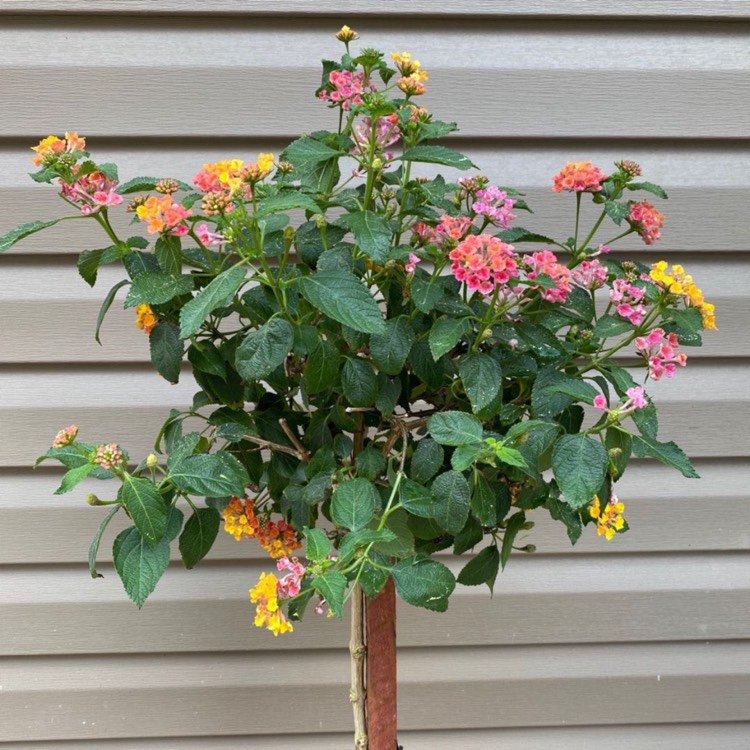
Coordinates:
<point>383,375</point>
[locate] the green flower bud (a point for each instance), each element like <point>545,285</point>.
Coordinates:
<point>152,461</point>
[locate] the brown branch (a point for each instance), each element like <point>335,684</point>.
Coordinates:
<point>275,446</point>
<point>304,453</point>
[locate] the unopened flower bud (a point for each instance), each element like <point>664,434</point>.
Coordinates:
<point>139,200</point>
<point>614,453</point>
<point>345,34</point>
<point>486,334</point>
<point>528,525</point>
<point>92,499</point>
<point>377,163</point>
<point>151,461</point>
<point>530,548</point>
<point>167,186</point>
<point>320,221</point>
<point>285,167</point>
<point>289,234</point>
<point>390,263</point>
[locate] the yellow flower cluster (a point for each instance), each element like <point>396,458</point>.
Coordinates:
<point>145,318</point>
<point>608,520</point>
<point>676,281</point>
<point>54,145</point>
<point>412,76</point>
<point>267,613</point>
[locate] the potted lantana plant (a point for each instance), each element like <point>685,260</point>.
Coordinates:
<point>383,373</point>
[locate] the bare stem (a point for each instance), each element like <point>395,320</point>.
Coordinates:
<point>357,651</point>
<point>277,447</point>
<point>295,440</point>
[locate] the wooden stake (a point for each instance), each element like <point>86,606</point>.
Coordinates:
<point>357,651</point>
<point>381,670</point>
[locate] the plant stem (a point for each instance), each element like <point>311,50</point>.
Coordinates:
<point>357,652</point>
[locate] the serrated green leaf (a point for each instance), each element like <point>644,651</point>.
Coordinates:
<point>438,155</point>
<point>483,502</point>
<point>285,202</point>
<point>424,583</point>
<point>427,460</point>
<point>616,211</point>
<point>576,389</point>
<point>370,463</point>
<point>481,569</point>
<point>166,350</point>
<point>445,334</point>
<point>359,539</point>
<point>139,564</point>
<point>156,288</point>
<point>545,402</point>
<point>318,544</point>
<point>73,477</point>
<point>198,536</point>
<point>579,464</point>
<point>609,325</point>
<point>106,304</point>
<point>390,349</point>
<point>322,368</point>
<point>482,378</point>
<point>416,498</point>
<point>332,586</point>
<point>146,507</point>
<point>389,391</point>
<point>372,233</point>
<point>353,503</point>
<point>514,525</point>
<point>619,445</point>
<point>262,351</point>
<point>668,453</point>
<point>455,428</point>
<point>649,187</point>
<point>213,295</point>
<point>8,240</point>
<point>465,455</point>
<point>210,474</point>
<point>561,511</point>
<point>343,297</point>
<point>359,382</point>
<point>425,293</point>
<point>452,497</point>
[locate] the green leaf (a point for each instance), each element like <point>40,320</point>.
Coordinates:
<point>519,234</point>
<point>579,390</point>
<point>427,460</point>
<point>455,428</point>
<point>139,564</point>
<point>318,545</point>
<point>262,351</point>
<point>322,368</point>
<point>616,211</point>
<point>285,202</point>
<point>353,503</point>
<point>465,455</point>
<point>389,391</point>
<point>137,185</point>
<point>359,382</point>
<point>561,511</point>
<point>579,464</point>
<point>89,261</point>
<point>619,445</point>
<point>370,463</point>
<point>8,240</point>
<point>331,586</point>
<point>372,232</point>
<point>468,538</point>
<point>390,349</point>
<point>343,297</point>
<point>511,456</point>
<point>452,496</point>
<point>213,295</point>
<point>687,321</point>
<point>145,506</point>
<point>425,293</point>
<point>424,583</point>
<point>545,402</point>
<point>104,309</point>
<point>210,474</point>
<point>609,325</point>
<point>482,569</point>
<point>402,542</point>
<point>649,187</point>
<point>482,378</point>
<point>445,334</point>
<point>168,252</point>
<point>74,477</point>
<point>205,357</point>
<point>166,350</point>
<point>514,525</point>
<point>416,498</point>
<point>94,546</point>
<point>647,421</point>
<point>198,536</point>
<point>156,288</point>
<point>484,502</point>
<point>306,153</point>
<point>438,155</point>
<point>358,539</point>
<point>668,453</point>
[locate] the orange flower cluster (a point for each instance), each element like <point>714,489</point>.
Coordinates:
<point>145,319</point>
<point>163,215</point>
<point>579,177</point>
<point>268,614</point>
<point>54,145</point>
<point>609,520</point>
<point>278,539</point>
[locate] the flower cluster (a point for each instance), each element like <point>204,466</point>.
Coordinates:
<point>278,539</point>
<point>145,319</point>
<point>629,168</point>
<point>590,274</point>
<point>579,177</point>
<point>109,456</point>
<point>646,220</point>
<point>91,191</point>
<point>344,88</point>
<point>412,75</point>
<point>208,238</point>
<point>660,351</point>
<point>483,262</point>
<point>52,146</point>
<point>164,216</point>
<point>495,205</point>
<point>676,281</point>
<point>368,139</point>
<point>628,300</point>
<point>609,520</point>
<point>268,613</point>
<point>636,400</point>
<point>545,262</point>
<point>65,437</point>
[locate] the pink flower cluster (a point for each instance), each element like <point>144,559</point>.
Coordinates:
<point>636,400</point>
<point>109,456</point>
<point>660,350</point>
<point>411,266</point>
<point>579,177</point>
<point>208,238</point>
<point>590,274</point>
<point>646,220</point>
<point>495,205</point>
<point>628,300</point>
<point>92,191</point>
<point>347,90</point>
<point>291,583</point>
<point>545,262</point>
<point>450,231</point>
<point>386,134</point>
<point>483,262</point>
<point>65,437</point>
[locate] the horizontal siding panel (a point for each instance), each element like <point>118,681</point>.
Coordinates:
<point>440,689</point>
<point>536,601</point>
<point>130,407</point>
<point>423,8</point>
<point>682,104</point>
<point>655,497</point>
<point>728,736</point>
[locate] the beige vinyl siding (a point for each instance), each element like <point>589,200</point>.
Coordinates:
<point>641,643</point>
